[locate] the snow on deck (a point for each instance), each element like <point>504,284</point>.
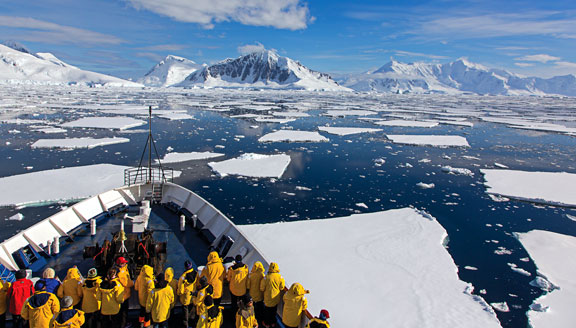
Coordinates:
<point>553,255</point>
<point>253,165</point>
<point>60,184</point>
<point>377,269</point>
<point>428,140</point>
<point>540,187</point>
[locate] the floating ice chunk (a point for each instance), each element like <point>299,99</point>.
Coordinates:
<point>521,271</point>
<point>415,124</point>
<point>429,140</point>
<point>343,113</point>
<point>538,187</point>
<point>253,165</point>
<point>423,185</point>
<point>74,143</point>
<point>498,198</point>
<point>501,306</point>
<point>346,131</point>
<point>303,188</point>
<point>51,130</point>
<point>379,161</point>
<point>291,114</point>
<point>172,116</point>
<point>362,205</point>
<point>471,157</point>
<point>456,170</point>
<point>502,166</point>
<point>184,157</point>
<point>264,119</point>
<point>16,217</point>
<point>571,217</point>
<point>471,268</point>
<point>115,123</point>
<point>293,136</point>
<point>502,251</point>
<point>543,283</point>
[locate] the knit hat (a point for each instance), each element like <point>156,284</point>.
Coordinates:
<point>238,258</point>
<point>246,299</point>
<point>92,273</point>
<point>187,265</point>
<point>21,274</point>
<point>67,301</point>
<point>324,314</point>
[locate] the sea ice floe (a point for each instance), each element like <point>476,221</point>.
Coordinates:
<point>456,170</point>
<point>423,185</point>
<point>50,130</point>
<point>253,165</point>
<point>172,116</point>
<point>343,113</point>
<point>553,255</point>
<point>429,140</point>
<point>184,157</point>
<point>406,123</point>
<point>421,277</point>
<point>114,123</point>
<point>16,217</point>
<point>539,187</point>
<point>500,306</point>
<point>341,131</point>
<point>293,136</point>
<point>73,143</point>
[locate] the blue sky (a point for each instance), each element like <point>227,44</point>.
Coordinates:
<point>127,37</point>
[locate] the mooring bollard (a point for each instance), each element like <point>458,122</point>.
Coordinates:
<point>182,223</point>
<point>56,245</point>
<point>93,227</point>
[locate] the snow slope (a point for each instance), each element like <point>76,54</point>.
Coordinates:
<point>17,67</point>
<point>264,69</point>
<point>172,70</point>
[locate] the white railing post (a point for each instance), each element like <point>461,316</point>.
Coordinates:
<point>182,223</point>
<point>56,245</point>
<point>93,227</point>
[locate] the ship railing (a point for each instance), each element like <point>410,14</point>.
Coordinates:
<point>140,175</point>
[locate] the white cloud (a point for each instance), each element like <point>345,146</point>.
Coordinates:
<point>282,14</point>
<point>542,58</point>
<point>524,64</point>
<point>417,54</point>
<point>250,48</point>
<point>564,64</point>
<point>47,32</point>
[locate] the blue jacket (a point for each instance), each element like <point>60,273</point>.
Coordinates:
<point>52,285</point>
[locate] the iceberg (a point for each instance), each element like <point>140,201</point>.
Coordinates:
<point>253,165</point>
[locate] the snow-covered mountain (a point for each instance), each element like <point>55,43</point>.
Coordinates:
<point>460,76</point>
<point>20,66</point>
<point>172,70</point>
<point>263,69</point>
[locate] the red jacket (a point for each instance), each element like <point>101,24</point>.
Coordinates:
<point>19,292</point>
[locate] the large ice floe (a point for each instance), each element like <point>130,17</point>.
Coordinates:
<point>72,143</point>
<point>429,140</point>
<point>60,184</point>
<point>541,187</point>
<point>386,266</point>
<point>407,123</point>
<point>184,157</point>
<point>253,165</point>
<point>553,255</point>
<point>341,131</point>
<point>115,123</point>
<point>293,136</point>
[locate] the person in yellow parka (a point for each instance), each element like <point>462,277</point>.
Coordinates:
<point>126,282</point>
<point>204,290</point>
<point>272,285</point>
<point>144,285</point>
<point>187,287</point>
<point>320,321</point>
<point>237,276</point>
<point>245,317</point>
<point>159,302</point>
<point>111,296</point>
<point>211,317</point>
<point>90,301</point>
<point>294,304</point>
<point>254,279</point>
<point>214,272</point>
<point>71,286</point>
<point>40,307</point>
<point>68,316</point>
<point>4,287</point>
<point>169,277</point>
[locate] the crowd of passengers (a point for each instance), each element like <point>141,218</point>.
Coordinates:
<point>102,302</point>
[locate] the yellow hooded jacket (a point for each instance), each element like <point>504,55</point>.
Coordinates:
<point>198,300</point>
<point>4,286</point>
<point>272,285</point>
<point>214,272</point>
<point>169,277</point>
<point>159,303</point>
<point>205,321</point>
<point>71,286</point>
<point>254,279</point>
<point>144,284</point>
<point>318,323</point>
<point>246,319</point>
<point>185,288</point>
<point>68,318</point>
<point>294,304</point>
<point>90,301</point>
<point>238,278</point>
<point>111,296</point>
<point>125,281</point>
<point>40,308</point>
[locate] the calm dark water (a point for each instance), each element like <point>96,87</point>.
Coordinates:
<point>341,173</point>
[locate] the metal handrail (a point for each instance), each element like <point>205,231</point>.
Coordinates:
<point>140,175</point>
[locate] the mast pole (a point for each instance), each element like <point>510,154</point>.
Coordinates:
<point>150,148</point>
